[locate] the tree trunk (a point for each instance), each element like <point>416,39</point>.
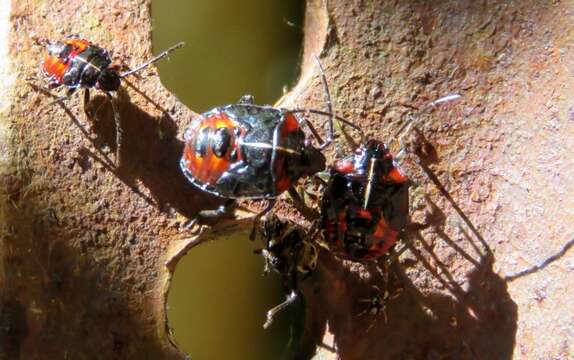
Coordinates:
<point>84,246</point>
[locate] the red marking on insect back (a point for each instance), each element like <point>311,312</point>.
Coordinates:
<point>395,176</point>
<point>209,168</point>
<point>344,166</point>
<point>55,67</point>
<point>365,214</point>
<point>385,237</point>
<point>79,45</point>
<point>282,179</point>
<point>342,222</point>
<point>289,125</point>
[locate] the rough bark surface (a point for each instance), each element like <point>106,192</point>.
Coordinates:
<point>84,246</point>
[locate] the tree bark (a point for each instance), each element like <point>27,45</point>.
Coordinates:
<point>84,246</point>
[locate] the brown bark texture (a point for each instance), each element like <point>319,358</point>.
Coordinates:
<point>84,245</point>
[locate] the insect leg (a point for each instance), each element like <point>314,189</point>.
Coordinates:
<point>206,216</point>
<point>60,99</point>
<point>300,205</point>
<point>271,313</point>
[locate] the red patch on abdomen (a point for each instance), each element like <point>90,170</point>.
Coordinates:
<point>209,168</point>
<point>289,125</point>
<point>344,166</point>
<point>55,68</point>
<point>385,237</point>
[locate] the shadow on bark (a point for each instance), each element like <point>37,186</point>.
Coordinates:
<point>477,322</point>
<point>150,155</point>
<point>69,289</point>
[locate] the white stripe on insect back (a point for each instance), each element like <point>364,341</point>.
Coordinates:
<point>369,182</point>
<point>269,146</point>
<point>80,57</point>
<point>87,65</point>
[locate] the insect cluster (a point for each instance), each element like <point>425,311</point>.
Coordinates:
<point>249,151</point>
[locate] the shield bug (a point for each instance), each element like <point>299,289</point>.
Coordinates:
<point>289,251</point>
<point>78,63</point>
<point>365,205</point>
<point>248,151</point>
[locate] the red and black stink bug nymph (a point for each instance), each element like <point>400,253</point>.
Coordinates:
<point>248,151</point>
<point>77,63</point>
<point>366,203</point>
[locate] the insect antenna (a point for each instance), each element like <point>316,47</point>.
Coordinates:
<point>426,107</point>
<point>329,139</point>
<point>337,117</point>
<point>154,59</point>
